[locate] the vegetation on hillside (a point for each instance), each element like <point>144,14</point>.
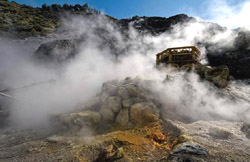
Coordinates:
<point>23,21</point>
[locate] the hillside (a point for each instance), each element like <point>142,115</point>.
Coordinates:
<point>24,21</point>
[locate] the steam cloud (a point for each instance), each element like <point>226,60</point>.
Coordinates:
<point>228,13</point>
<point>82,77</point>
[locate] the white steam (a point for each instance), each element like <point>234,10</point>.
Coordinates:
<point>199,100</point>
<point>82,77</point>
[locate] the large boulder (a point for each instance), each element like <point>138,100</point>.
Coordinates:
<point>217,75</point>
<point>190,148</point>
<point>110,107</point>
<point>188,151</point>
<point>80,119</point>
<point>123,92</point>
<point>143,113</point>
<point>107,114</point>
<point>114,103</point>
<point>123,117</point>
<point>57,51</point>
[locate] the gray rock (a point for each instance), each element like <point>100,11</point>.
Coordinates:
<point>136,92</point>
<point>190,148</point>
<point>143,113</point>
<point>110,107</point>
<point>114,103</point>
<point>109,88</point>
<point>123,117</point>
<point>104,97</point>
<point>183,158</point>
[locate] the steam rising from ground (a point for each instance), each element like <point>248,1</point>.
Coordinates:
<point>199,100</point>
<point>82,77</point>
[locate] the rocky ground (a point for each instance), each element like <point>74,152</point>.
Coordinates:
<point>125,122</point>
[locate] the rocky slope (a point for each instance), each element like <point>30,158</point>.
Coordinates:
<point>127,122</point>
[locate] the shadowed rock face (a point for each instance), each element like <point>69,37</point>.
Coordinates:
<point>236,58</point>
<point>237,62</point>
<point>153,25</point>
<point>57,51</point>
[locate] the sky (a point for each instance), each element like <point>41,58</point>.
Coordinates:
<point>228,13</point>
<point>130,8</point>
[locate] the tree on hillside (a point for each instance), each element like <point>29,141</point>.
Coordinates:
<point>45,7</point>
